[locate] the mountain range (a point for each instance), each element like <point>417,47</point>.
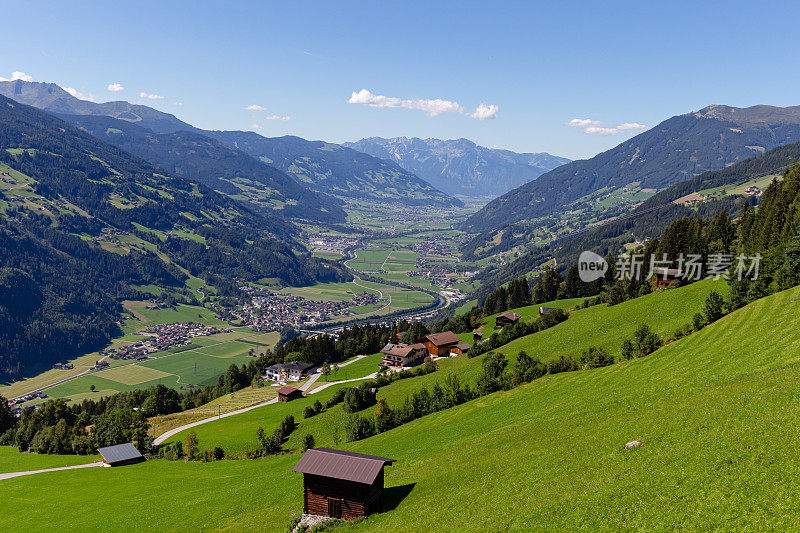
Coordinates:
<point>334,169</point>
<point>675,150</point>
<point>461,167</point>
<point>323,169</point>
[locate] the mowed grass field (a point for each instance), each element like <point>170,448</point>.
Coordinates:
<point>13,461</point>
<point>717,411</point>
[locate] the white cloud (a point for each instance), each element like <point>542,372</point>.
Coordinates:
<point>77,94</point>
<point>255,126</point>
<point>150,96</point>
<point>583,122</point>
<point>595,127</point>
<point>485,112</point>
<point>17,75</point>
<point>432,107</point>
<point>278,117</point>
<point>255,107</point>
<point>115,87</point>
<point>177,103</point>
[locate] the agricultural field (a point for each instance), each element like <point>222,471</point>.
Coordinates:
<point>717,413</point>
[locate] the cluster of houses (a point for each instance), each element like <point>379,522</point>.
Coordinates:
<point>15,405</point>
<point>270,311</point>
<point>753,191</point>
<point>442,344</point>
<point>163,337</point>
<point>63,366</point>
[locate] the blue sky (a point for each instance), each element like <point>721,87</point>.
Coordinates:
<point>541,64</point>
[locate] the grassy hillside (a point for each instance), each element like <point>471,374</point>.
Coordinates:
<point>717,412</point>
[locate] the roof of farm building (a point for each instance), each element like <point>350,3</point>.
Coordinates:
<point>339,464</point>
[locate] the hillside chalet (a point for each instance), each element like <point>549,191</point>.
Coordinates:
<point>403,354</point>
<point>440,343</point>
<point>665,276</point>
<point>340,484</point>
<point>287,394</point>
<point>506,319</point>
<point>544,310</point>
<point>294,371</point>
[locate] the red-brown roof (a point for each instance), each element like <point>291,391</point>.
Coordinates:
<point>441,339</point>
<point>339,464</point>
<point>288,390</point>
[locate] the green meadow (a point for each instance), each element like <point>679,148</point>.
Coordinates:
<point>13,461</point>
<point>717,412</point>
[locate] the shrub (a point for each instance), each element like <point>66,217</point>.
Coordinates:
<point>525,369</point>
<point>337,398</point>
<point>713,308</point>
<point>358,398</point>
<point>218,453</point>
<point>308,411</point>
<point>191,446</point>
<point>308,441</point>
<point>596,358</point>
<point>698,321</point>
<point>628,349</point>
<point>645,340</point>
<point>562,364</point>
<point>358,428</point>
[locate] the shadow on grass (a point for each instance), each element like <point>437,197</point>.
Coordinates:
<point>391,498</point>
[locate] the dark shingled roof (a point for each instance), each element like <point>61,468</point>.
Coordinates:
<point>120,452</point>
<point>338,464</point>
<point>511,315</point>
<point>445,337</point>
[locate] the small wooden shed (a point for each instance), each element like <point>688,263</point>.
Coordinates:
<point>340,484</point>
<point>460,348</point>
<point>287,394</point>
<point>477,336</point>
<point>120,454</point>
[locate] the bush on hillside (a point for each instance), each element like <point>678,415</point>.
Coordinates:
<point>596,358</point>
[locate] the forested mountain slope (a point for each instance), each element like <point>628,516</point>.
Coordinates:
<point>460,166</point>
<point>64,195</point>
<point>200,158</point>
<point>675,150</point>
<point>334,169</point>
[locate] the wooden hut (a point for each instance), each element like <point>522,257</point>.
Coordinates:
<point>287,394</point>
<point>440,343</point>
<point>121,454</point>
<point>340,484</point>
<point>506,319</point>
<point>477,337</point>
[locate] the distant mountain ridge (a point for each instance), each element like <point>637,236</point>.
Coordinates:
<point>199,157</point>
<point>675,150</point>
<point>460,166</point>
<point>321,167</point>
<point>334,169</point>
